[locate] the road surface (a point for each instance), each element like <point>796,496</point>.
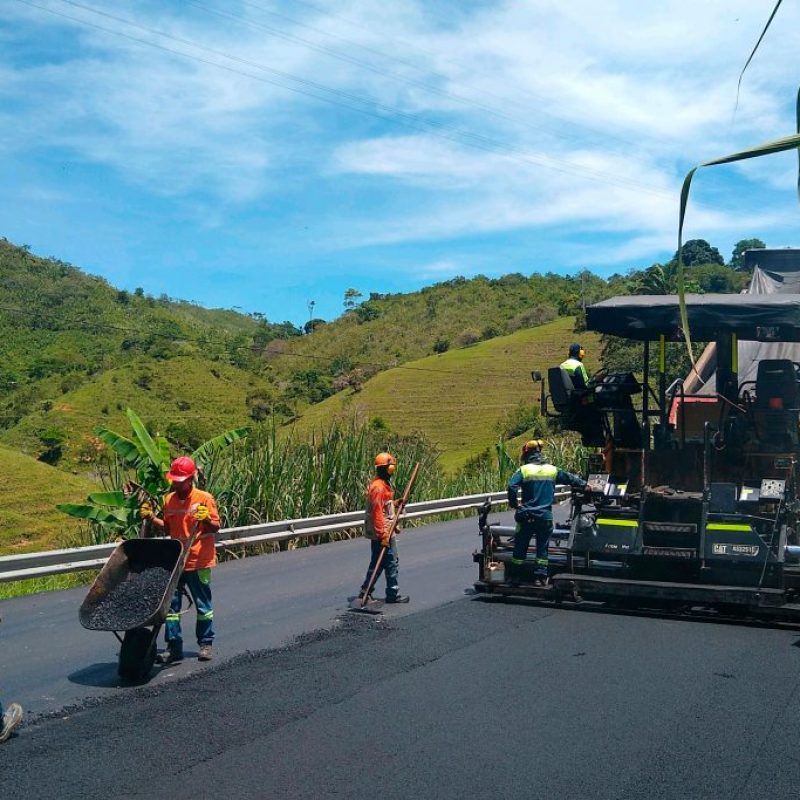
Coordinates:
<point>449,697</point>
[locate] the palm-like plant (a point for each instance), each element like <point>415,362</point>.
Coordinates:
<point>143,462</point>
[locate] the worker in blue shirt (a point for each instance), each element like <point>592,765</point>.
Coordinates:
<point>531,491</point>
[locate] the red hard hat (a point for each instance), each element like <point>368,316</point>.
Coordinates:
<point>181,469</point>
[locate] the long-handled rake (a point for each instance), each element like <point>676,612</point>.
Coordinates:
<point>365,603</point>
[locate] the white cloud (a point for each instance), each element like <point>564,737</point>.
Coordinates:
<point>512,116</point>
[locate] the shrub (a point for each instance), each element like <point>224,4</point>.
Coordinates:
<point>523,418</point>
<point>466,338</point>
<point>53,441</point>
<point>441,345</point>
<point>532,317</point>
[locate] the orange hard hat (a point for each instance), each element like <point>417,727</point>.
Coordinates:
<point>386,460</point>
<point>181,469</point>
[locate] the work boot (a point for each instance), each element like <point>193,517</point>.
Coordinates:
<point>11,720</point>
<point>399,598</point>
<point>204,653</point>
<point>541,581</point>
<point>172,655</point>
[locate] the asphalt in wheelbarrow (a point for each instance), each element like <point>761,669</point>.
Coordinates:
<point>131,601</point>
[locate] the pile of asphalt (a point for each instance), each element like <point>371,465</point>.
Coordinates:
<point>131,601</point>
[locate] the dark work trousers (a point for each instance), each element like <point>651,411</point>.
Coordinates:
<point>390,566</point>
<point>542,529</point>
<point>198,582</point>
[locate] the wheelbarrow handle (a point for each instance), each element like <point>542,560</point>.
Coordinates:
<point>187,546</point>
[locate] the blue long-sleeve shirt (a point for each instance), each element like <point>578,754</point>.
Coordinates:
<point>538,481</point>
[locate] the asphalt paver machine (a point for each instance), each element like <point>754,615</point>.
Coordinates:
<point>692,501</point>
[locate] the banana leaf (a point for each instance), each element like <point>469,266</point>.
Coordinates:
<point>207,449</point>
<point>117,517</point>
<point>150,448</point>
<point>127,450</point>
<point>768,148</point>
<point>109,499</point>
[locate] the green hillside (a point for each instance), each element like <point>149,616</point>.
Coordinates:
<point>457,398</point>
<point>185,398</point>
<point>385,330</point>
<point>29,491</point>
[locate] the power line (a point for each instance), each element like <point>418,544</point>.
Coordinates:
<point>429,10</point>
<point>356,102</point>
<point>349,59</point>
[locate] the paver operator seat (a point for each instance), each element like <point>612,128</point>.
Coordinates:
<point>562,390</point>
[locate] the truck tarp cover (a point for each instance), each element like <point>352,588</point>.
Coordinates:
<point>781,279</point>
<point>749,316</point>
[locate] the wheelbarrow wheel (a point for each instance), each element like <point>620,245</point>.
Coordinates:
<point>137,654</point>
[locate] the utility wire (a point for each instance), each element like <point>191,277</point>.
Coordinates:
<point>407,45</point>
<point>355,102</point>
<point>349,59</point>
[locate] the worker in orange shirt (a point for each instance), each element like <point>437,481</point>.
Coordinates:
<point>377,527</point>
<point>184,508</point>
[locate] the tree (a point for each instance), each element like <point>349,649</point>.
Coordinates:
<point>313,324</point>
<point>662,279</point>
<point>699,251</point>
<point>351,298</point>
<point>737,257</point>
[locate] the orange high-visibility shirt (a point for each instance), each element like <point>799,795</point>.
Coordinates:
<point>179,522</point>
<point>380,509</point>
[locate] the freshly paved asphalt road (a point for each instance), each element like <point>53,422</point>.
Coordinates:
<point>451,698</point>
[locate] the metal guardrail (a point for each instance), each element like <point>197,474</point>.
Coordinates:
<point>57,562</point>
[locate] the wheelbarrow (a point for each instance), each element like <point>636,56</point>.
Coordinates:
<point>132,594</point>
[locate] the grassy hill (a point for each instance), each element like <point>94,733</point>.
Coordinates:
<point>185,398</point>
<point>390,329</point>
<point>29,491</point>
<point>457,398</point>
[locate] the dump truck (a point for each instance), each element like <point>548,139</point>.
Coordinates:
<point>692,502</point>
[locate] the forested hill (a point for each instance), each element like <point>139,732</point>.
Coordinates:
<point>75,351</point>
<point>62,330</point>
<point>385,330</point>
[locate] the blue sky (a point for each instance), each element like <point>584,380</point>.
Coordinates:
<point>260,155</point>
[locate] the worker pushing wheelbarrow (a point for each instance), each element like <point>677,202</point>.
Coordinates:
<point>142,585</point>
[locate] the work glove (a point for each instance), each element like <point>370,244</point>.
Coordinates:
<point>146,511</point>
<point>201,513</point>
<point>385,541</point>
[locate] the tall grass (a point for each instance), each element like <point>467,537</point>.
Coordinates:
<point>263,478</point>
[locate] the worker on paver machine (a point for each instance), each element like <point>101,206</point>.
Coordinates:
<point>377,526</point>
<point>531,491</point>
<point>574,367</point>
<point>184,508</point>
<point>576,391</point>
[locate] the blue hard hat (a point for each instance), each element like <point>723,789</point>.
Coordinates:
<point>574,350</point>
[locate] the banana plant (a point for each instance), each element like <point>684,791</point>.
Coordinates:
<point>144,462</point>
